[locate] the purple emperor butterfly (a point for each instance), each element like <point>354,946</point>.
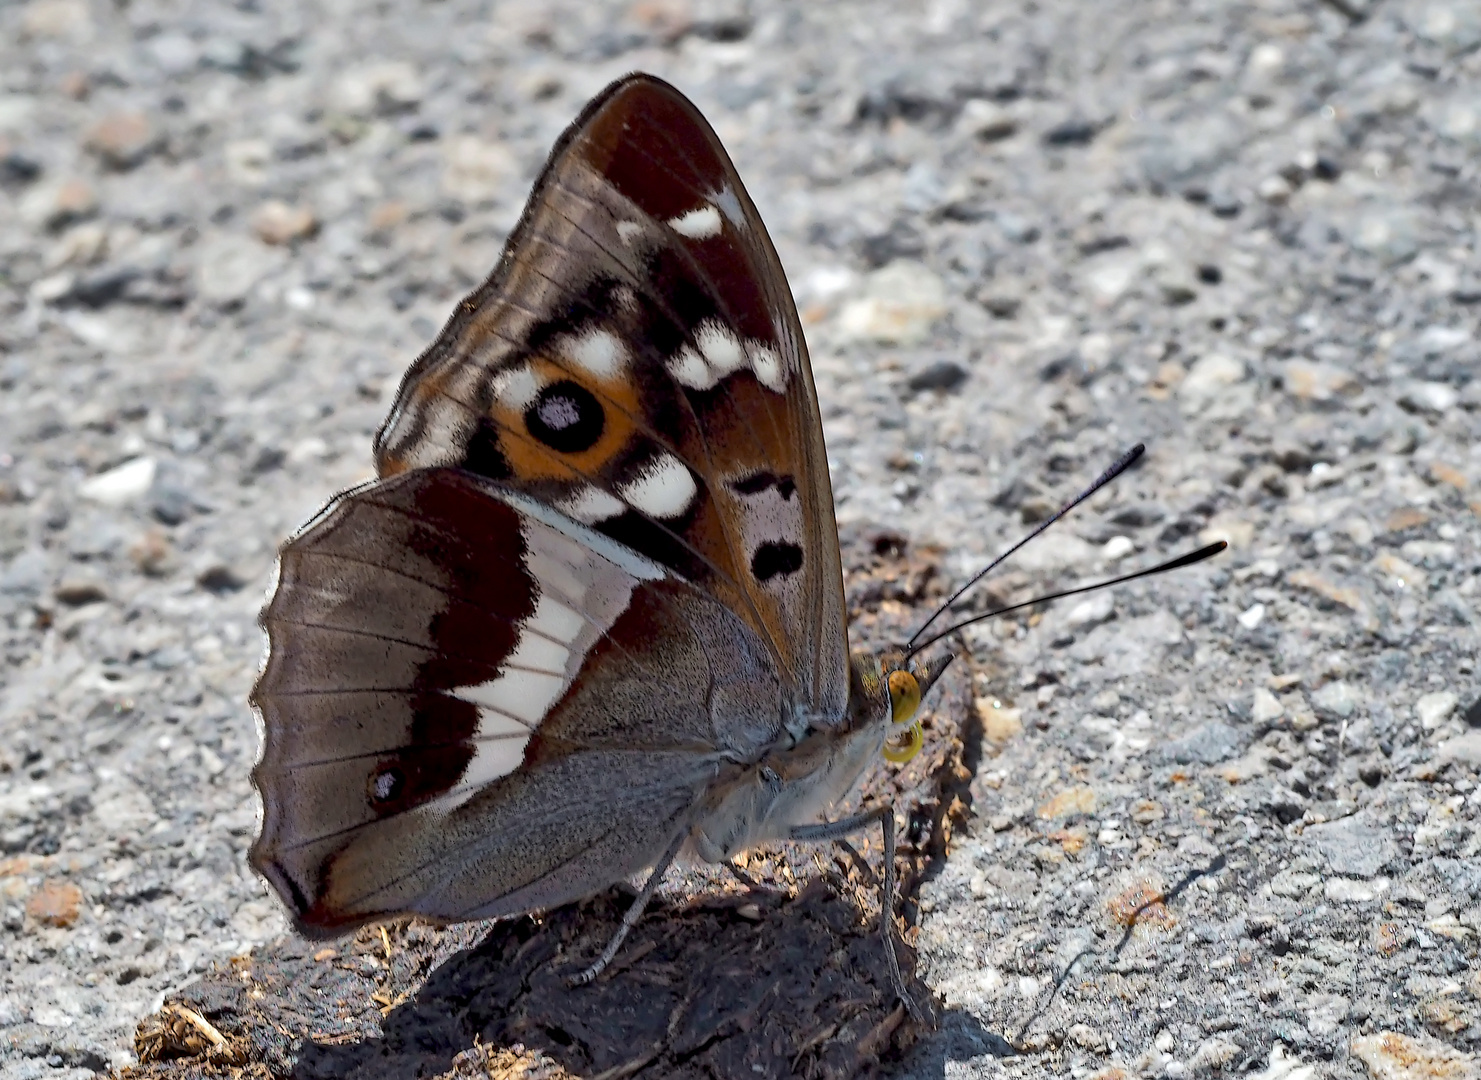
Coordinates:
<point>589,618</point>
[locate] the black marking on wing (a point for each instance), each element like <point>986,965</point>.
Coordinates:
<point>759,481</point>
<point>775,557</point>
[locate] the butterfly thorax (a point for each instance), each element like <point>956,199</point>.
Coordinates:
<point>795,782</point>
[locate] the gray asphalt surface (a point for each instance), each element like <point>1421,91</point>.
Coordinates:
<point>1226,820</point>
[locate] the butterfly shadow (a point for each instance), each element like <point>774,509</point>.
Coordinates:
<point>727,987</point>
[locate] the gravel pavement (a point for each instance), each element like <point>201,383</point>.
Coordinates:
<point>1223,821</point>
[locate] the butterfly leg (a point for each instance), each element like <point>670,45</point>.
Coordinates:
<point>849,826</point>
<point>634,913</point>
<point>751,883</point>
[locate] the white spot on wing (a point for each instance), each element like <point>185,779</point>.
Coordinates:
<point>720,348</point>
<point>520,696</point>
<point>698,224</point>
<point>730,206</point>
<point>628,231</point>
<point>516,388</point>
<point>556,621</point>
<point>719,353</point>
<point>690,369</point>
<point>495,758</point>
<point>592,504</point>
<point>492,724</point>
<point>663,489</point>
<point>767,366</point>
<point>598,351</point>
<point>539,654</point>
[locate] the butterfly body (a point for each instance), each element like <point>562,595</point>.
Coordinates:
<point>796,780</point>
<point>590,614</point>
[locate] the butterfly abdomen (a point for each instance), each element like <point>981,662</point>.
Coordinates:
<point>787,788</point>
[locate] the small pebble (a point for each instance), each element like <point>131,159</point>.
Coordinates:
<point>1266,707</point>
<point>278,223</point>
<point>122,484</point>
<point>121,140</point>
<point>1251,616</point>
<point>56,904</point>
<point>943,375</point>
<point>901,302</point>
<point>77,592</point>
<point>1433,709</point>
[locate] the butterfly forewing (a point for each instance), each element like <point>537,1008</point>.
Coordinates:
<point>635,361</point>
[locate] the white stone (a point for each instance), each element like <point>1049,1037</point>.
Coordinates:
<point>1456,26</point>
<point>1465,749</point>
<point>1109,278</point>
<point>378,86</point>
<point>1352,891</point>
<point>1210,374</point>
<point>123,807</point>
<point>902,302</point>
<point>1275,189</point>
<point>1117,548</point>
<point>1252,616</point>
<point>1055,551</point>
<point>1388,233</point>
<point>474,170</point>
<point>1434,709</point>
<point>121,484</point>
<point>1092,610</point>
<point>311,448</point>
<point>1429,397</point>
<point>230,267</point>
<point>1282,1067</point>
<point>1311,380</point>
<point>257,921</point>
<point>1266,707</point>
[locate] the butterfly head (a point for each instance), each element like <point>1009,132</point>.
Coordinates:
<point>893,678</point>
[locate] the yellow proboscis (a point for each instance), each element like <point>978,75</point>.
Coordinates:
<point>904,745</point>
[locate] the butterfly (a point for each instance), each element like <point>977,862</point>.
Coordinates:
<point>589,617</point>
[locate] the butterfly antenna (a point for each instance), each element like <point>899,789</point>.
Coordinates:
<point>1189,559</point>
<point>1121,464</point>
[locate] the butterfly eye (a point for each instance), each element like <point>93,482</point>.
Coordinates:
<point>904,696</point>
<point>904,745</point>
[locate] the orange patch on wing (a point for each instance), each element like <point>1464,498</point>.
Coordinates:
<point>531,459</point>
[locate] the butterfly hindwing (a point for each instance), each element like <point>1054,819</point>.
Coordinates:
<point>456,672</point>
<point>636,362</point>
